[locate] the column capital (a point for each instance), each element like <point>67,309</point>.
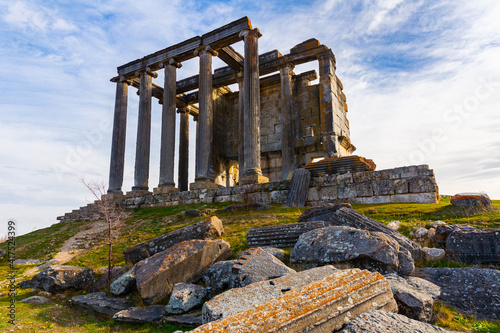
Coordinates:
<point>240,76</point>
<point>205,49</point>
<point>184,109</point>
<point>286,68</point>
<point>148,71</point>
<point>250,33</point>
<point>327,55</point>
<point>170,62</point>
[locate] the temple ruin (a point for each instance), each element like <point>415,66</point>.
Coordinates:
<point>261,133</point>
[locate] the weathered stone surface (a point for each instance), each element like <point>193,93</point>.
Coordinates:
<point>124,283</point>
<point>185,297</point>
<point>102,282</point>
<point>217,276</point>
<point>350,217</point>
<point>256,265</point>
<point>102,303</point>
<point>234,301</point>
<point>192,319</point>
<point>421,233</point>
<point>150,314</point>
<point>471,200</point>
<point>198,212</point>
<point>283,235</point>
<point>278,253</point>
<point>210,228</point>
<point>436,224</point>
<point>350,247</point>
<point>474,291</point>
<point>474,246</point>
<point>394,225</point>
<point>415,296</point>
<point>299,188</point>
<point>319,306</point>
<point>384,322</point>
<point>321,213</point>
<point>57,279</point>
<point>433,254</point>
<point>183,262</point>
<point>443,231</point>
<point>26,261</point>
<point>244,207</point>
<point>2,253</point>
<point>36,300</point>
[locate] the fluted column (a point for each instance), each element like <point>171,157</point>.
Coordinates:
<point>183,148</point>
<point>167,151</point>
<point>117,163</point>
<point>143,143</point>
<point>204,136</point>
<point>288,134</point>
<point>253,172</point>
<point>241,124</point>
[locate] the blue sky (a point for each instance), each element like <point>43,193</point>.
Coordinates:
<point>421,77</point>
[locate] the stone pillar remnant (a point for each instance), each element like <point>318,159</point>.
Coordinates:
<point>143,143</point>
<point>253,172</point>
<point>327,80</point>
<point>241,124</point>
<point>167,152</point>
<point>183,148</point>
<point>117,163</point>
<point>288,156</point>
<point>204,172</point>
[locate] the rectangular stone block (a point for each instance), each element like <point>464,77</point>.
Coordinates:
<point>415,197</point>
<point>383,187</point>
<point>318,306</point>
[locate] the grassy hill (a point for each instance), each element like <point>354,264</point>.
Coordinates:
<point>144,224</point>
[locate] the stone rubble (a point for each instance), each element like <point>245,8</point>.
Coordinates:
<point>283,235</point>
<point>185,297</point>
<point>124,283</point>
<point>101,303</point>
<point>152,314</point>
<point>56,279</point>
<point>474,246</point>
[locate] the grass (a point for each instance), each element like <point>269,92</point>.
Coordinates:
<point>447,317</point>
<point>144,224</point>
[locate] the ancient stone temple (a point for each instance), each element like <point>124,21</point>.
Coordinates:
<point>276,122</point>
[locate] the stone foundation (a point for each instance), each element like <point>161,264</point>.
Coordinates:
<point>400,185</point>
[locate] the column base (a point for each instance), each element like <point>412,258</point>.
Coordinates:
<point>253,179</point>
<point>114,197</point>
<point>202,185</point>
<point>137,193</point>
<point>165,189</point>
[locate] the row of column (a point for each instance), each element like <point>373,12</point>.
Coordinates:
<point>204,173</point>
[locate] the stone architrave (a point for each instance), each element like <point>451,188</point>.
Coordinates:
<point>183,149</point>
<point>167,153</point>
<point>204,169</point>
<point>117,164</point>
<point>319,306</point>
<point>287,121</point>
<point>253,171</point>
<point>143,145</point>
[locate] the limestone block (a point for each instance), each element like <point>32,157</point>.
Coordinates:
<point>210,228</point>
<point>124,283</point>
<point>150,314</point>
<point>421,233</point>
<point>474,246</point>
<point>329,193</point>
<point>415,198</point>
<point>346,191</point>
<point>471,200</point>
<point>285,235</point>
<point>363,189</point>
<point>350,247</point>
<point>183,262</point>
<point>321,213</point>
<point>433,254</point>
<point>102,303</point>
<point>415,296</point>
<point>350,217</point>
<point>473,291</point>
<point>394,225</point>
<point>185,297</point>
<point>56,279</point>
<point>384,322</point>
<point>423,185</point>
<point>443,231</point>
<point>372,200</point>
<point>401,186</point>
<point>383,187</point>
<point>256,265</point>
<point>316,306</point>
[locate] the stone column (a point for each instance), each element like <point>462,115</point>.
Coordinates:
<point>241,125</point>
<point>183,148</point>
<point>116,168</point>
<point>143,132</point>
<point>204,136</point>
<point>253,172</point>
<point>288,134</point>
<point>167,151</point>
<point>327,79</point>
